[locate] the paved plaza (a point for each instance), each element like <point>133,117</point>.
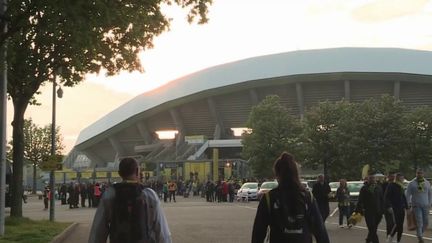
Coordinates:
<point>192,220</point>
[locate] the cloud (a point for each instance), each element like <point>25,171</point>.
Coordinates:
<point>383,10</point>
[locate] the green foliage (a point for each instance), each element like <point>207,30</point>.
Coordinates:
<point>37,145</point>
<point>341,137</point>
<point>68,39</point>
<point>28,231</point>
<point>273,131</point>
<point>418,135</point>
<point>349,135</point>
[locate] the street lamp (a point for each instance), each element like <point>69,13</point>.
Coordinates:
<point>59,93</point>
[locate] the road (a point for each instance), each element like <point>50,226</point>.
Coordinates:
<point>192,220</point>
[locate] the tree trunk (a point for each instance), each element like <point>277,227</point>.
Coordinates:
<point>18,158</point>
<point>34,178</point>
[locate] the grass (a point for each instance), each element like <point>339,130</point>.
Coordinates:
<point>25,230</point>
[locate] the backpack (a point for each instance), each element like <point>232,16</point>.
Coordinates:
<point>126,223</point>
<point>291,221</point>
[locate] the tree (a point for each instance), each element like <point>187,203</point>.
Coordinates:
<point>37,145</point>
<point>418,134</point>
<point>344,136</point>
<point>273,130</point>
<point>321,124</point>
<point>77,37</point>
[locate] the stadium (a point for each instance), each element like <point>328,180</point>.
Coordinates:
<point>207,109</point>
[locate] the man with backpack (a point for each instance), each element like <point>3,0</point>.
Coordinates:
<point>128,212</point>
<point>371,205</point>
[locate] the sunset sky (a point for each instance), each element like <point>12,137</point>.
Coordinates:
<point>240,29</point>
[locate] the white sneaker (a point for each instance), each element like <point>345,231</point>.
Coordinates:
<point>341,226</point>
<point>389,239</point>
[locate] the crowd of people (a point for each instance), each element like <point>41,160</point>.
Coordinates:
<point>288,213</point>
<point>76,194</point>
<point>389,199</point>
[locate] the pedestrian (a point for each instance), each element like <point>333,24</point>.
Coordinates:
<point>63,194</point>
<point>172,188</point>
<point>76,195</point>
<point>370,204</point>
<point>320,191</point>
<point>231,191</point>
<point>165,191</point>
<point>83,194</point>
<point>129,212</point>
<point>388,214</point>
<point>90,194</point>
<point>46,195</point>
<point>288,213</point>
<point>225,191</point>
<point>97,193</point>
<point>343,199</point>
<point>396,204</point>
<point>418,195</point>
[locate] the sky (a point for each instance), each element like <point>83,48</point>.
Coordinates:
<point>238,29</point>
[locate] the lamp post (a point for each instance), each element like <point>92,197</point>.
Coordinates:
<point>53,143</point>
<point>3,102</point>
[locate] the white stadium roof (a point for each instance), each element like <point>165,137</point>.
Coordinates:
<point>337,60</point>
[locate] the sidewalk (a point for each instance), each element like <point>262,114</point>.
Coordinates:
<point>79,234</point>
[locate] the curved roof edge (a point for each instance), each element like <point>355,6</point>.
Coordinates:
<point>334,60</point>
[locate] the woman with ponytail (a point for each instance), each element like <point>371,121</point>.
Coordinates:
<point>288,211</point>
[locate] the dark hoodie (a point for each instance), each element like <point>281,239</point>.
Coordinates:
<point>312,224</point>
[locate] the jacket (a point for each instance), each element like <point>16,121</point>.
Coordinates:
<point>265,217</point>
<point>154,218</point>
<point>419,197</point>
<point>371,200</point>
<point>394,197</point>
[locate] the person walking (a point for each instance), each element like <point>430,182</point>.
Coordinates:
<point>320,191</point>
<point>418,195</point>
<point>343,199</point>
<point>129,212</point>
<point>388,214</point>
<point>46,197</point>
<point>83,194</point>
<point>165,191</point>
<point>289,210</point>
<point>396,204</point>
<point>370,204</point>
<point>172,188</point>
<point>97,193</point>
<point>90,194</point>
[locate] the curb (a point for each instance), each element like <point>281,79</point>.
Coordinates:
<point>63,235</point>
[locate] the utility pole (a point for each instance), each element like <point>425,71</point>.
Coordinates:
<point>59,93</point>
<point>3,114</point>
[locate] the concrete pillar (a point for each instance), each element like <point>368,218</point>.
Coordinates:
<point>215,164</point>
<point>396,89</point>
<point>144,132</point>
<point>300,99</point>
<point>179,125</point>
<point>217,118</point>
<point>347,89</point>
<point>253,97</point>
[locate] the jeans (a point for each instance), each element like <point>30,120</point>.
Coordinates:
<point>344,211</point>
<point>421,216</point>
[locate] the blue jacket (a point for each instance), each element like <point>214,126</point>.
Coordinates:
<point>417,197</point>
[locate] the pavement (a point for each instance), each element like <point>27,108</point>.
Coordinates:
<point>192,220</point>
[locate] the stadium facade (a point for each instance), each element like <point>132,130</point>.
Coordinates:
<point>204,106</point>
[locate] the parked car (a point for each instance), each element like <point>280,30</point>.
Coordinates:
<point>333,187</point>
<point>265,187</point>
<point>354,189</point>
<point>248,191</point>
